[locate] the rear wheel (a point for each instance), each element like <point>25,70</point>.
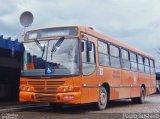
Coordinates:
<point>103,99</point>
<point>140,99</point>
<point>57,106</point>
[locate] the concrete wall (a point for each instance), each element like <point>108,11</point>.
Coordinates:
<point>10,68</point>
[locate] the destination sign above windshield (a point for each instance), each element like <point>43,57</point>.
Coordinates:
<point>51,32</point>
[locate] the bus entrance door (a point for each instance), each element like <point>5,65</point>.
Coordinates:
<point>89,80</point>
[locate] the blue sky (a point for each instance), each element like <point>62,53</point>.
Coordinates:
<point>134,22</point>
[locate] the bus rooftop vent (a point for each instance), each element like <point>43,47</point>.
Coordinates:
<point>91,28</point>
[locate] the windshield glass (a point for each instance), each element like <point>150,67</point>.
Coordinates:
<point>62,61</point>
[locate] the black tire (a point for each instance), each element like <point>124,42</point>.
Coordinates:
<point>102,100</point>
<point>140,99</point>
<point>57,106</point>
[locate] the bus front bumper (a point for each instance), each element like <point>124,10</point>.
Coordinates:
<point>69,97</point>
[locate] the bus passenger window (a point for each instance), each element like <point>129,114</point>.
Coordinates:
<point>114,56</point>
<point>152,67</point>
<point>133,59</point>
<point>140,63</point>
<point>88,66</point>
<point>125,59</point>
<point>103,54</point>
<point>147,69</point>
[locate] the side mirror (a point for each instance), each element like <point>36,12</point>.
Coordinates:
<point>89,46</point>
<point>82,46</point>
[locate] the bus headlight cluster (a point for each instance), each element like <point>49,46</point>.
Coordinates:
<point>67,89</point>
<point>26,88</point>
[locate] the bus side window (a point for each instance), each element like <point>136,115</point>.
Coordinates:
<point>152,67</point>
<point>115,56</point>
<point>147,69</point>
<point>103,53</point>
<point>125,59</point>
<point>88,58</point>
<point>84,53</point>
<point>133,59</point>
<point>140,63</point>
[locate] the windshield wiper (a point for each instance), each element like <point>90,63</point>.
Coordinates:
<point>40,46</point>
<point>43,50</point>
<point>55,47</point>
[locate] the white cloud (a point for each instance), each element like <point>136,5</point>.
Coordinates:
<point>135,22</point>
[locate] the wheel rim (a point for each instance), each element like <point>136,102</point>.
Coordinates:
<point>103,98</point>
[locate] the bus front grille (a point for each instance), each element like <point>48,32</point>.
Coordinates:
<point>45,86</point>
<point>54,83</point>
<point>36,83</point>
<point>45,97</point>
<point>45,89</point>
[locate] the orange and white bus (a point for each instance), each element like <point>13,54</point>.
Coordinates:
<point>77,65</point>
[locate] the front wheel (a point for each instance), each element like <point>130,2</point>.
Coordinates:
<point>102,100</point>
<point>140,99</point>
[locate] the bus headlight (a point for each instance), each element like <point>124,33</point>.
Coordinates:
<point>64,89</point>
<point>23,88</point>
<point>28,89</point>
<point>70,88</point>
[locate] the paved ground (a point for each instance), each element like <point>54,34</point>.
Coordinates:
<point>117,109</point>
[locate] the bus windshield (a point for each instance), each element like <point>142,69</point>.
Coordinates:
<point>63,61</point>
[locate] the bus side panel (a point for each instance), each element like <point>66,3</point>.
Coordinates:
<point>135,88</point>
<point>106,76</point>
<point>147,83</point>
<point>89,92</point>
<point>150,85</point>
<point>141,78</point>
<point>84,95</point>
<point>153,83</point>
<point>125,84</point>
<point>115,82</point>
